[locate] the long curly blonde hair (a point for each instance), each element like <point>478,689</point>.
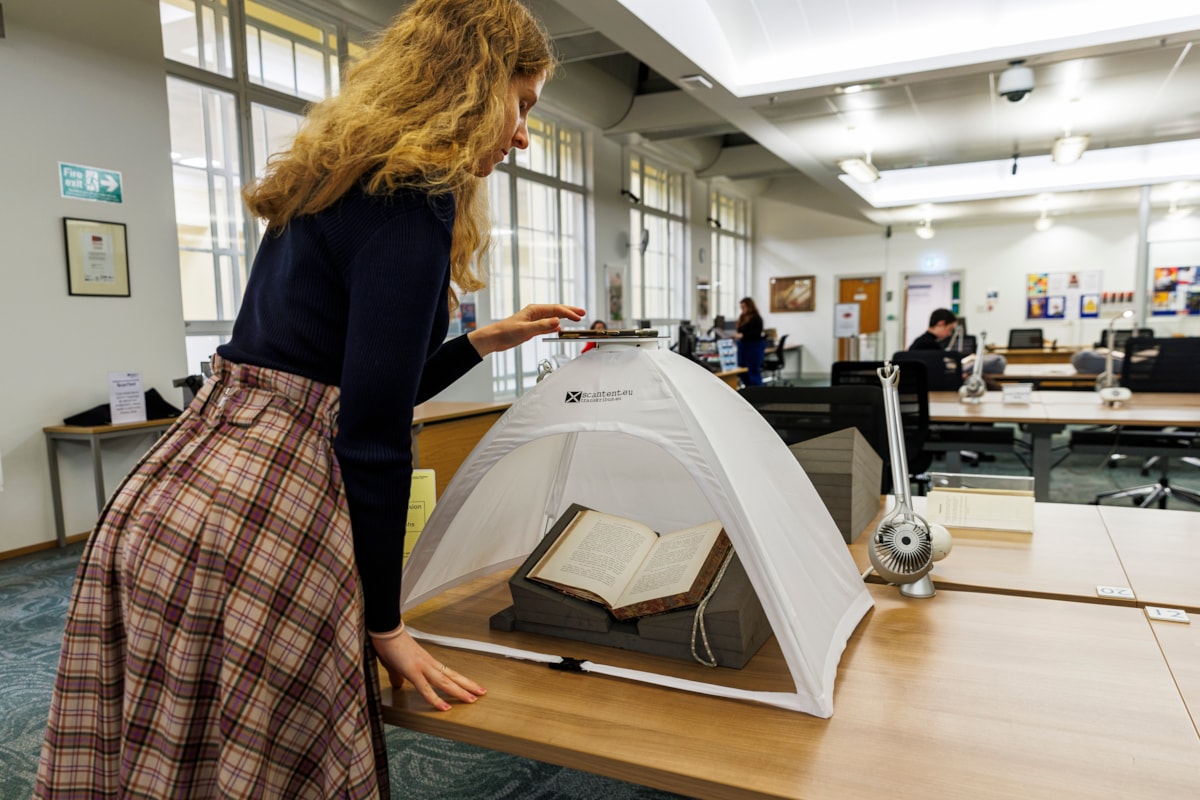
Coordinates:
<point>420,109</point>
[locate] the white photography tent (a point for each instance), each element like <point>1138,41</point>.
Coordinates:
<point>644,433</point>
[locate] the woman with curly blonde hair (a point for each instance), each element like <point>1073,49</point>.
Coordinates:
<point>239,586</point>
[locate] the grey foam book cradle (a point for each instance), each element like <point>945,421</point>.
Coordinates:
<point>736,624</point>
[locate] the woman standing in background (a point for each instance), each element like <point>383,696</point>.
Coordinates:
<point>232,600</point>
<point>751,346</point>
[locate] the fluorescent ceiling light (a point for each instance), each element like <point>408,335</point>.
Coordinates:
<point>860,169</point>
<point>925,230</point>
<point>1068,149</point>
<point>1109,168</point>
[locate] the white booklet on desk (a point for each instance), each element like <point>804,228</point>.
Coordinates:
<point>992,509</point>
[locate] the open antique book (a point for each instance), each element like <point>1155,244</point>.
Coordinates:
<point>627,567</point>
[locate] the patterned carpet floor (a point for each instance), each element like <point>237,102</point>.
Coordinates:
<point>33,601</point>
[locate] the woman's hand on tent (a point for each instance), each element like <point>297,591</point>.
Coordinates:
<point>532,320</point>
<point>404,659</point>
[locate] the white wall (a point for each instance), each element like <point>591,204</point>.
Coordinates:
<point>81,82</point>
<point>989,257</point>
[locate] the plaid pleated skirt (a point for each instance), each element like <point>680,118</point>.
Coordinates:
<point>215,642</point>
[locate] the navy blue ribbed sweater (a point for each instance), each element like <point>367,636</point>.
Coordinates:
<point>355,296</point>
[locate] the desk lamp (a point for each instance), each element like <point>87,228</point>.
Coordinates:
<point>973,388</point>
<point>1110,393</point>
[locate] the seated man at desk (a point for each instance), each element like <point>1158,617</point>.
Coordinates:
<point>941,324</point>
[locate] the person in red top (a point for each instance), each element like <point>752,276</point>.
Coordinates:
<point>598,325</point>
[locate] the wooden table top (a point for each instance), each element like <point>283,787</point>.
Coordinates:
<point>1066,557</point>
<point>1009,696</point>
<point>94,429</point>
<point>1180,645</point>
<point>442,410</point>
<point>1065,407</point>
<point>1160,552</point>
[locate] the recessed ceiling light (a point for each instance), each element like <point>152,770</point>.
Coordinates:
<point>925,230</point>
<point>1043,223</point>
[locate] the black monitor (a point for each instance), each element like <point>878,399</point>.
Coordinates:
<point>642,323</point>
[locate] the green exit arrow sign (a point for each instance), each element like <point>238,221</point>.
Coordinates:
<point>89,183</point>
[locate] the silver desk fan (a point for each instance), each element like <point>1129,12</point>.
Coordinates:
<point>904,546</point>
<point>973,388</point>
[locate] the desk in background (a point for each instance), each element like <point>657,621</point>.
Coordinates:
<point>444,433</point>
<point>1050,412</point>
<point>93,435</point>
<point>1035,355</point>
<point>1046,376</point>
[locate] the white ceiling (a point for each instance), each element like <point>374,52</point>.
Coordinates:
<point>1124,73</point>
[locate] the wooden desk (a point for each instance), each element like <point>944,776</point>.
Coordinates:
<point>1160,551</point>
<point>965,694</point>
<point>93,435</point>
<point>732,376</point>
<point>445,432</point>
<point>1046,376</point>
<point>1050,412</point>
<point>1066,557</point>
<point>1035,355</point>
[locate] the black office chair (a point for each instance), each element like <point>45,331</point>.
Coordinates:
<point>1151,365</point>
<point>913,393</point>
<point>1120,337</point>
<point>1024,338</point>
<point>800,413</point>
<point>943,368</point>
<point>773,363</point>
<point>972,442</point>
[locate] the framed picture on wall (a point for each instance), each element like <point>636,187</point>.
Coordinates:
<point>97,260</point>
<point>797,293</point>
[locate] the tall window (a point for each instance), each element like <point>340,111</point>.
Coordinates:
<point>728,219</point>
<point>239,74</point>
<point>537,205</point>
<point>656,225</point>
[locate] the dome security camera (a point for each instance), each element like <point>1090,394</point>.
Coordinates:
<point>1015,82</point>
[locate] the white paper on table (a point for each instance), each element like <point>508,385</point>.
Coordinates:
<point>126,399</point>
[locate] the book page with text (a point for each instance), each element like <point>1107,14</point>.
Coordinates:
<point>673,563</point>
<point>597,552</point>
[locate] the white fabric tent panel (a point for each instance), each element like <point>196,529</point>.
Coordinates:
<point>651,436</point>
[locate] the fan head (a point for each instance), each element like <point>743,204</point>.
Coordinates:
<point>901,550</point>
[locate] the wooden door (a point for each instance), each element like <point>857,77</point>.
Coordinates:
<point>867,292</point>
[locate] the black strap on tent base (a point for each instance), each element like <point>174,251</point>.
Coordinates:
<point>567,664</point>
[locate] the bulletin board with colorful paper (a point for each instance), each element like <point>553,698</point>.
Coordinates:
<point>1176,291</point>
<point>1063,295</point>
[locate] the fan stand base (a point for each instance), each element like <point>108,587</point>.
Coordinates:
<point>920,588</point>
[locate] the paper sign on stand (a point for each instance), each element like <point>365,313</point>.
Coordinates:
<point>126,398</point>
<point>1017,392</point>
